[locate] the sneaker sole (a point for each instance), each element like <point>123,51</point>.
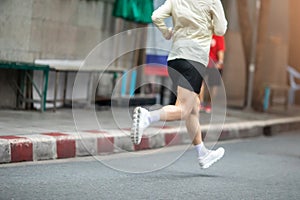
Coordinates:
<point>135,135</point>
<point>213,161</point>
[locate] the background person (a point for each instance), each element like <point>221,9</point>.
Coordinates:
<point>216,55</point>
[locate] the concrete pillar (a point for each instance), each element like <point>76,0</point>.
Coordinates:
<point>294,41</point>
<point>272,49</point>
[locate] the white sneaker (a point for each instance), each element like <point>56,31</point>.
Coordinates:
<point>211,157</point>
<point>140,123</point>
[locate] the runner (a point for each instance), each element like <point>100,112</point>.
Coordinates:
<point>194,21</point>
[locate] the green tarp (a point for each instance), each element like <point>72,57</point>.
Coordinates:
<point>134,10</point>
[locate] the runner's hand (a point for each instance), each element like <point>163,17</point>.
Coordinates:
<point>168,34</point>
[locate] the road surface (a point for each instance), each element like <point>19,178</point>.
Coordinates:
<point>259,168</point>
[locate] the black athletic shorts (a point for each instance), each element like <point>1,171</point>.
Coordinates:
<point>187,74</point>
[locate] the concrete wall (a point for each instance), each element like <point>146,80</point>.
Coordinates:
<point>15,22</point>
<point>66,29</point>
<point>50,29</point>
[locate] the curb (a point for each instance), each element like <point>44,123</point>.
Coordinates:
<point>50,146</point>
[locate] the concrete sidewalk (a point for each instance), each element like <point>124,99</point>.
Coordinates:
<point>67,133</point>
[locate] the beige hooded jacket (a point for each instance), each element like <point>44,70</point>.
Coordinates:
<point>194,22</point>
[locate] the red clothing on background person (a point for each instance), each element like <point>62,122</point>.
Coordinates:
<point>217,44</point>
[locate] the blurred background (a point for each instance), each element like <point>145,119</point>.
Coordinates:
<point>262,41</point>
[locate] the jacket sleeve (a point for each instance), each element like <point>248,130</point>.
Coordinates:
<point>158,17</point>
<point>219,19</point>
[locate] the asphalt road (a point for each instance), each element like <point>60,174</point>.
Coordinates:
<point>259,168</point>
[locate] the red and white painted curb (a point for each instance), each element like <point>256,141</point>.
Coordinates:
<point>56,145</point>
